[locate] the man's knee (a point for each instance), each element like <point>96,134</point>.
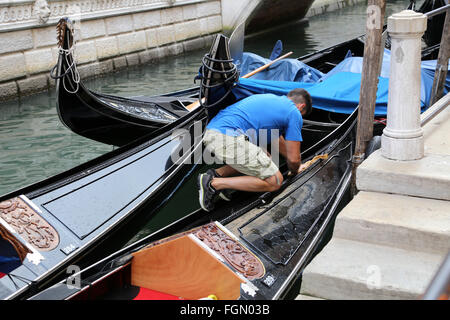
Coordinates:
<point>275,181</point>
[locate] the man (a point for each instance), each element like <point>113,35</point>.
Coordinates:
<point>227,138</point>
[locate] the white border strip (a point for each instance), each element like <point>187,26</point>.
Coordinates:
<point>34,257</point>
<point>30,203</point>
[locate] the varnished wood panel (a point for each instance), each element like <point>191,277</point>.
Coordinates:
<point>183,268</point>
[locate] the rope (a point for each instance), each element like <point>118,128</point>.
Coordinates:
<point>228,77</point>
<point>68,54</point>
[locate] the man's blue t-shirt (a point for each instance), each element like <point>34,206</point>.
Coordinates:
<point>260,111</point>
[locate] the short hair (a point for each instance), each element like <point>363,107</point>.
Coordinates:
<point>301,96</point>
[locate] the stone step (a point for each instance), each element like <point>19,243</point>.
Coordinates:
<point>347,270</point>
<point>428,177</point>
<point>405,222</point>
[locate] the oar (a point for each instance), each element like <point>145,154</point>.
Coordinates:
<point>248,75</point>
<point>194,105</point>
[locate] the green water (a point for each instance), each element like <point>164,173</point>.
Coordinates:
<point>34,145</point>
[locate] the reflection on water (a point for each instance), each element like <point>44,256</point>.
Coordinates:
<point>35,145</point>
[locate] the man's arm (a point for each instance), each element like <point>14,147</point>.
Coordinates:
<point>291,151</point>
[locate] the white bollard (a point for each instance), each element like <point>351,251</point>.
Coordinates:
<point>402,138</point>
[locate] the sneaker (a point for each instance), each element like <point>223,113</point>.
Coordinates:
<point>223,194</point>
<point>206,191</point>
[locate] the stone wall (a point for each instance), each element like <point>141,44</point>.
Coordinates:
<point>110,35</point>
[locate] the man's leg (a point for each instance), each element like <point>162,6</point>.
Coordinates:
<point>249,183</point>
<point>261,174</point>
<point>222,172</point>
<point>210,186</point>
<point>258,172</point>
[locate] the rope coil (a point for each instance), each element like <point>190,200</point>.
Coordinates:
<point>68,56</point>
<point>209,79</point>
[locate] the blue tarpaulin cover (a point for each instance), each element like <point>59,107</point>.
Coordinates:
<point>282,70</point>
<point>337,91</point>
<point>9,259</point>
<point>340,93</point>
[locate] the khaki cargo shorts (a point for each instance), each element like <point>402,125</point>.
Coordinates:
<point>240,154</point>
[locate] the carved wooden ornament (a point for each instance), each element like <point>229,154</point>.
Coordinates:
<point>30,225</point>
<point>231,250</point>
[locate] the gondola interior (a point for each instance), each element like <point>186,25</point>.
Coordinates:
<point>177,268</point>
<point>252,248</point>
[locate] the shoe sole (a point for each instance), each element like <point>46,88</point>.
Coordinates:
<point>201,192</point>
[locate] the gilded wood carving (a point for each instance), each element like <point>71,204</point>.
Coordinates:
<point>30,225</point>
<point>232,251</point>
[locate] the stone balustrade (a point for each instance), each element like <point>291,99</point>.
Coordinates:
<point>110,35</point>
<point>402,138</point>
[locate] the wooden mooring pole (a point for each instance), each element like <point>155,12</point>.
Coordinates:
<point>372,60</point>
<point>442,63</point>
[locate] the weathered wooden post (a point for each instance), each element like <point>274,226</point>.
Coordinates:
<point>372,60</point>
<point>402,138</point>
<point>442,62</point>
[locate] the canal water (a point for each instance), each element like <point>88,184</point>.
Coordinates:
<point>34,145</point>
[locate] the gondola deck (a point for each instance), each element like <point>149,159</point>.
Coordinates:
<point>79,212</point>
<point>107,198</point>
<point>82,208</point>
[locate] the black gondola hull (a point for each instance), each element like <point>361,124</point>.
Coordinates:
<point>66,219</point>
<point>92,115</point>
<point>108,119</point>
<point>88,206</point>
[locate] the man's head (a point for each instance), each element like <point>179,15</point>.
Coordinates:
<point>302,100</point>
